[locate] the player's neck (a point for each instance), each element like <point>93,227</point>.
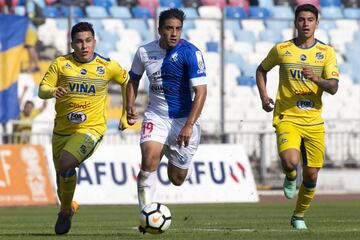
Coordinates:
<point>304,42</point>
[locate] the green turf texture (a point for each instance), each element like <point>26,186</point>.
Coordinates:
<point>325,220</point>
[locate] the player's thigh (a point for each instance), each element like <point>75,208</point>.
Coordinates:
<point>313,147</point>
<point>151,154</point>
<point>181,156</point>
<point>82,144</point>
<point>287,136</point>
<point>58,143</point>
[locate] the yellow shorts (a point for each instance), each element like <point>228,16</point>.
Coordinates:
<point>80,144</point>
<point>308,140</point>
<point>30,37</point>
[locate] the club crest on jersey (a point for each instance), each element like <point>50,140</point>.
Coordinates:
<point>100,70</point>
<point>287,53</point>
<point>68,66</point>
<point>302,57</point>
<point>319,56</point>
<point>200,62</point>
<point>83,71</point>
<point>174,57</point>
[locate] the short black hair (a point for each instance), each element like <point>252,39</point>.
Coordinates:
<point>171,13</point>
<point>82,27</point>
<point>306,8</point>
<point>29,102</point>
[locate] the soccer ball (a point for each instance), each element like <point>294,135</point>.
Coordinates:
<point>155,218</point>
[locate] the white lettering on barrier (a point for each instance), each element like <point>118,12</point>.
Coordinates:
<point>221,173</point>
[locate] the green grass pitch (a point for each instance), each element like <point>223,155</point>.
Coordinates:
<point>326,220</point>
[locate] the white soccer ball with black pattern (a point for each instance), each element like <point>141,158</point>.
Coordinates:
<point>155,218</point>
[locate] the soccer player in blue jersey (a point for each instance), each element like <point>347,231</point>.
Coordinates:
<point>177,92</point>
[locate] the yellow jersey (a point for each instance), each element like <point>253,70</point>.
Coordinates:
<point>298,99</point>
<point>83,107</point>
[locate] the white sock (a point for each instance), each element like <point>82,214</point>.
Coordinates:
<point>146,185</point>
<point>189,172</point>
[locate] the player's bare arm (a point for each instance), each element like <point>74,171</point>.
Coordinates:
<point>197,106</point>
<point>328,85</point>
<point>131,93</point>
<point>267,102</point>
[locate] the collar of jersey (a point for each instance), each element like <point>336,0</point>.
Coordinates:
<point>93,57</point>
<point>316,41</point>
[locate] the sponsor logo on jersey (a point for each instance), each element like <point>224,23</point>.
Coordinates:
<point>319,56</point>
<point>334,74</point>
<point>67,65</point>
<point>296,74</point>
<point>102,62</point>
<point>100,70</point>
<point>84,105</point>
<point>174,57</point>
<point>77,117</point>
<point>83,71</point>
<point>200,62</point>
<point>155,77</point>
<point>286,45</point>
<point>82,88</point>
<point>305,104</point>
<point>162,89</point>
<point>302,57</point>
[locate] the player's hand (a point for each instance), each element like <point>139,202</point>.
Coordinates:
<point>308,73</point>
<point>60,91</point>
<point>267,104</point>
<point>184,136</point>
<point>132,115</point>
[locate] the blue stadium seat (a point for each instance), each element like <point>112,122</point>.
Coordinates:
<point>190,12</point>
<point>282,12</point>
<point>270,35</point>
<point>327,24</point>
<point>171,3</point>
<point>120,12</point>
<point>328,3</point>
<point>141,12</point>
<point>235,12</point>
<point>235,58</point>
<point>258,12</point>
<point>139,25</point>
<point>249,70</point>
<point>76,11</point>
<point>331,12</point>
<point>20,10</point>
<point>96,12</point>
<point>51,12</point>
<point>245,36</point>
<point>351,13</point>
<point>277,25</point>
<point>266,3</point>
<point>232,25</point>
<point>246,81</point>
<point>212,46</point>
<point>103,3</point>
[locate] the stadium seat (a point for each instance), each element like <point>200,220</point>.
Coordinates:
<point>266,4</point>
<point>253,25</point>
<point>212,46</point>
<point>235,58</point>
<point>351,13</point>
<point>232,25</point>
<point>103,3</point>
<point>246,81</point>
<point>270,36</point>
<point>20,10</point>
<point>152,5</point>
<point>120,12</point>
<point>190,12</point>
<point>192,3</point>
<point>171,3</point>
<point>210,12</point>
<point>235,12</point>
<point>327,25</point>
<point>258,12</point>
<point>245,36</point>
<point>96,12</point>
<point>282,12</point>
<point>141,12</point>
<point>76,11</point>
<point>277,25</point>
<point>331,12</point>
<point>328,3</point>
<point>51,12</point>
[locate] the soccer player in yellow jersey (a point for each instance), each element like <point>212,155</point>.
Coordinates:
<point>307,68</point>
<point>79,81</point>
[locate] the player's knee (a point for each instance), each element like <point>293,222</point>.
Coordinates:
<point>176,179</point>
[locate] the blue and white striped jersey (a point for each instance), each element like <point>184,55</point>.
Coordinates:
<point>172,74</point>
